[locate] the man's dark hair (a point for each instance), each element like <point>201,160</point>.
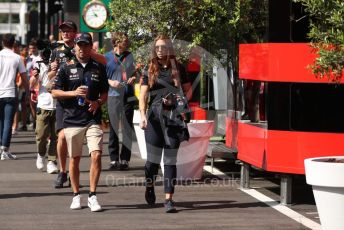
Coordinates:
<point>33,42</point>
<point>42,44</point>
<point>8,40</point>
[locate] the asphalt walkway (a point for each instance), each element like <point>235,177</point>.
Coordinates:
<point>29,201</point>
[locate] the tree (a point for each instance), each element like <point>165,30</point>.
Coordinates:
<point>211,24</point>
<point>327,36</point>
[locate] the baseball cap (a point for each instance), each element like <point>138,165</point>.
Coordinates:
<point>69,24</point>
<point>83,37</point>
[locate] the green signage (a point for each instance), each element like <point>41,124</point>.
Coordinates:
<point>93,15</point>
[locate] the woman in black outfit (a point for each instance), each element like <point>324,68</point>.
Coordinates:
<point>162,67</point>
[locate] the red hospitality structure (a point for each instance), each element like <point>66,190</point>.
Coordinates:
<point>288,114</point>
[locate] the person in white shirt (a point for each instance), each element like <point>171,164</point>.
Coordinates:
<point>10,65</point>
<point>46,113</point>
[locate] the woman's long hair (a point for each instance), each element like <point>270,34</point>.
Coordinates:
<point>154,68</point>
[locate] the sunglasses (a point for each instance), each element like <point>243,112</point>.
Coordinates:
<point>67,31</point>
<point>162,47</point>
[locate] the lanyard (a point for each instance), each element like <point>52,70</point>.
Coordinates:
<point>122,65</point>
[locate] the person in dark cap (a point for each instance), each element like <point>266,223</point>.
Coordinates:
<point>83,80</point>
<point>68,24</point>
<point>62,54</point>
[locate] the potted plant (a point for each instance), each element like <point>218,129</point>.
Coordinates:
<point>326,175</point>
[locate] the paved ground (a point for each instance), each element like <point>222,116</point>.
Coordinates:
<point>29,201</point>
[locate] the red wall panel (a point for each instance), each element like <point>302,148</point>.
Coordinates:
<point>279,62</point>
<point>285,151</point>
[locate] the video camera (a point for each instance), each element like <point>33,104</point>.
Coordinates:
<point>69,53</point>
<point>44,50</point>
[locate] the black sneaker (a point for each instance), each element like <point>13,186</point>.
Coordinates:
<point>169,206</point>
<point>150,195</point>
<point>114,166</point>
<point>61,178</point>
<point>124,165</point>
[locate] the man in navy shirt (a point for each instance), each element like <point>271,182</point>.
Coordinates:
<point>61,54</point>
<point>82,120</point>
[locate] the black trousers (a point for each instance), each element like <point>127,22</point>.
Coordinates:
<point>120,112</point>
<point>170,174</point>
<point>156,144</point>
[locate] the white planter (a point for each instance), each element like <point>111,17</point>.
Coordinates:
<point>140,134</point>
<point>327,180</point>
<point>191,154</point>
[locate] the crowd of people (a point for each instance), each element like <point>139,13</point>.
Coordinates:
<point>65,89</point>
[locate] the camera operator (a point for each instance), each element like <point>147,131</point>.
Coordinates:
<point>46,110</point>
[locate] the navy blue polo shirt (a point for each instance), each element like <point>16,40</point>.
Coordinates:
<point>70,76</point>
<point>62,53</point>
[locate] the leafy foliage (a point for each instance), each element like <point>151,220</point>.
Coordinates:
<point>327,35</point>
<point>211,24</point>
<point>105,114</point>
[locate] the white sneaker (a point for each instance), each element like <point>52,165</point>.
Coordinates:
<point>76,204</point>
<point>51,167</point>
<point>93,204</point>
<point>6,155</point>
<point>40,162</point>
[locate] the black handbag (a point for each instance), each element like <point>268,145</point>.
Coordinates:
<point>184,134</point>
<point>172,119</point>
<point>175,111</point>
<point>179,126</point>
<point>176,102</point>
